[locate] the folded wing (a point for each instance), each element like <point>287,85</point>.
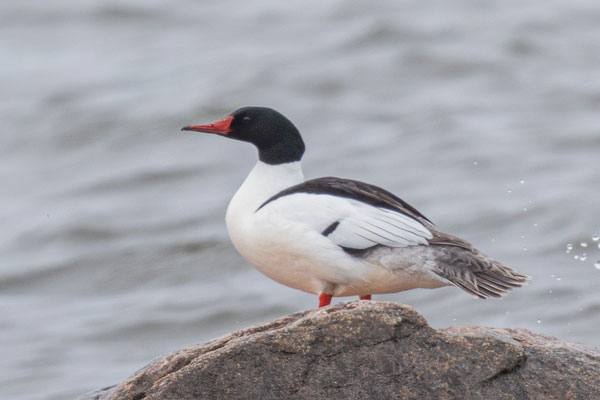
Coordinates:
<point>350,223</point>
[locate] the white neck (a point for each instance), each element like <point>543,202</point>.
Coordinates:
<point>263,182</point>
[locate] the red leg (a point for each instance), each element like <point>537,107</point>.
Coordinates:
<point>324,299</point>
<point>365,297</point>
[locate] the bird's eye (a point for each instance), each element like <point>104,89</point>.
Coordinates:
<point>246,119</point>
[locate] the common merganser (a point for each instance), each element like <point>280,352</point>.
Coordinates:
<point>339,237</point>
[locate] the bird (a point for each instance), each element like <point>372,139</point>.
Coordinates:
<point>336,237</point>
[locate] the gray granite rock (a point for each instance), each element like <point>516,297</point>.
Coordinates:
<point>368,350</point>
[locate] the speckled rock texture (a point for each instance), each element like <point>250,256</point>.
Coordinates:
<point>368,350</point>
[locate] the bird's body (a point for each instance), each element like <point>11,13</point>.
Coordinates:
<point>339,237</point>
<point>284,240</point>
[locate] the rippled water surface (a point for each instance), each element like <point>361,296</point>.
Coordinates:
<point>113,249</point>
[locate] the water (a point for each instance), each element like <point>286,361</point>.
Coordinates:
<point>569,248</point>
<point>113,246</point>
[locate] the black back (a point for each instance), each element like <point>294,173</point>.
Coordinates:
<point>352,189</point>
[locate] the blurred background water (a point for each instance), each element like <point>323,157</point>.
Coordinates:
<point>113,250</point>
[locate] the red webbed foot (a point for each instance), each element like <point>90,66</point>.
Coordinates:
<point>324,299</point>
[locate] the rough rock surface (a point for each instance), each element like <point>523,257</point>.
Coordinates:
<point>368,350</point>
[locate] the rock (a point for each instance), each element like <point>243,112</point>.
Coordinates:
<point>368,350</point>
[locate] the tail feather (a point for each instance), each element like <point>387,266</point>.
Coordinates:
<point>476,273</point>
<point>469,289</point>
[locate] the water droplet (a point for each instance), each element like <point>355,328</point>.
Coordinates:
<point>550,291</point>
<point>597,265</point>
<point>492,240</point>
<point>552,276</point>
<point>535,225</point>
<point>570,246</point>
<point>522,236</point>
<point>475,163</point>
<point>453,319</point>
<point>509,191</point>
<point>576,256</point>
<point>596,237</point>
<point>524,248</point>
<point>583,257</point>
<point>525,209</point>
<point>522,181</point>
<point>539,320</point>
<point>558,278</point>
<point>583,244</point>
